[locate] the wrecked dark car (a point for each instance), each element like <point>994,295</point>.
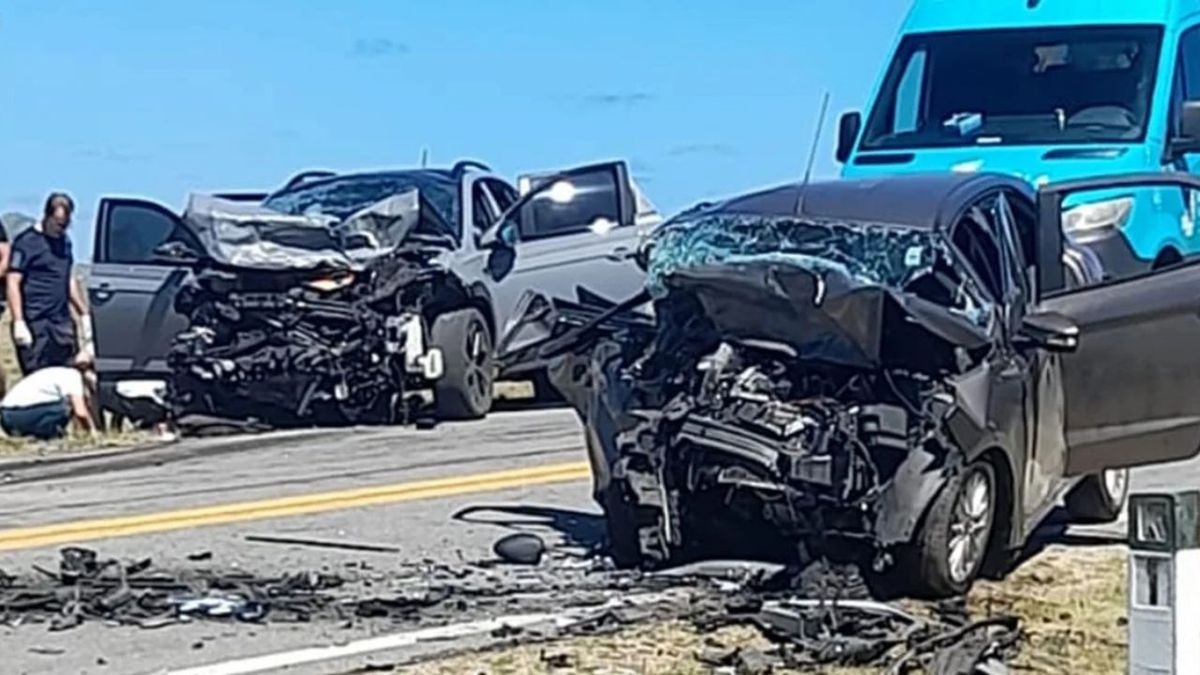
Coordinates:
<point>906,373</point>
<point>334,299</point>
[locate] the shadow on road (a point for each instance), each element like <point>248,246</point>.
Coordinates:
<point>579,529</point>
<point>1055,531</point>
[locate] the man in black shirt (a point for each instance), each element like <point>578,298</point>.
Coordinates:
<point>42,291</point>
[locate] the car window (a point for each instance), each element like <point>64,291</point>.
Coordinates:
<point>134,231</point>
<point>483,214</point>
<point>973,238</point>
<point>504,194</point>
<point>579,205</point>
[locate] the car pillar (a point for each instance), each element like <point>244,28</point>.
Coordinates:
<point>1164,583</point>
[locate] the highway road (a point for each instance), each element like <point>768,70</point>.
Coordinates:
<point>395,487</point>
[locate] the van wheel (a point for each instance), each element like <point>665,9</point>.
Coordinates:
<point>949,550</point>
<point>466,387</point>
<point>1099,498</point>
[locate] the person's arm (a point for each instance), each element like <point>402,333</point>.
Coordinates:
<point>80,304</point>
<point>16,305</point>
<point>5,256</point>
<point>81,414</point>
<point>78,297</point>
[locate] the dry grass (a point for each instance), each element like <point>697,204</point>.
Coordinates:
<point>1071,603</point>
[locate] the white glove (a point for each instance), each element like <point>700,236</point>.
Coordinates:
<point>21,334</point>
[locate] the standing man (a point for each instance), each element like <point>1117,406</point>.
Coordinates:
<point>42,291</point>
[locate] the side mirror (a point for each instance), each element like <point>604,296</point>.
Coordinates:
<point>175,252</point>
<point>1048,330</point>
<point>848,127</point>
<point>1189,129</point>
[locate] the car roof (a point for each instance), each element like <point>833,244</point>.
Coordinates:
<point>912,200</point>
<point>954,15</point>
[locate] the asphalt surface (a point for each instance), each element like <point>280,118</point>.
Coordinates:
<point>468,492</point>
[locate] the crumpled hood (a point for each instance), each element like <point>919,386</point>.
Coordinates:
<point>251,236</point>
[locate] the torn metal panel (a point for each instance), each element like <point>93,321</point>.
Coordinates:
<point>246,235</point>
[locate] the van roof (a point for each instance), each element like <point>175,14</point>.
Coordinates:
<point>951,15</point>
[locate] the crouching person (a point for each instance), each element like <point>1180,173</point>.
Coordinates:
<point>43,403</point>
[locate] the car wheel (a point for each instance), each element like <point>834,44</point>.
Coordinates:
<point>465,389</point>
<point>621,528</point>
<point>1099,498</point>
<point>952,544</point>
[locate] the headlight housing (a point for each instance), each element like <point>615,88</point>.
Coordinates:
<point>330,283</point>
<point>1088,221</point>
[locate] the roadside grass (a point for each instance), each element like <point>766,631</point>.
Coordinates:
<point>1071,603</point>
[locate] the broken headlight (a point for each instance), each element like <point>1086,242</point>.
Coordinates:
<point>1088,221</point>
<point>330,283</point>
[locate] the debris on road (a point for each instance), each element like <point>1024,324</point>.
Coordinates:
<point>521,548</point>
<point>809,615</point>
<point>315,543</point>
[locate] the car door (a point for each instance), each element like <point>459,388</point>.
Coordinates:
<point>132,290</point>
<point>581,233</point>
<point>1130,387</point>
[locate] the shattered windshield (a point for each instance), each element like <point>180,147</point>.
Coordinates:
<point>898,257</point>
<point>343,197</point>
<point>884,255</point>
<point>1012,87</point>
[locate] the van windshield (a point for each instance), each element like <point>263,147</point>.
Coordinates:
<point>1014,87</point>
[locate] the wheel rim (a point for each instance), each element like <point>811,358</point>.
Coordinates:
<point>479,357</point>
<point>1116,482</point>
<point>969,526</point>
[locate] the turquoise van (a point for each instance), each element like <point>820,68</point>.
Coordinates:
<point>1048,90</point>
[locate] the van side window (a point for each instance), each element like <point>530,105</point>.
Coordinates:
<point>1189,63</point>
<point>906,113</point>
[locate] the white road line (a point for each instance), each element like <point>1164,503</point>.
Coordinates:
<point>299,657</point>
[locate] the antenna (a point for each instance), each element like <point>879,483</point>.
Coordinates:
<point>424,157</point>
<point>812,154</point>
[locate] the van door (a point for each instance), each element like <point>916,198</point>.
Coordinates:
<point>132,289</point>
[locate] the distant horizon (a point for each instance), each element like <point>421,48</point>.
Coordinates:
<point>703,99</point>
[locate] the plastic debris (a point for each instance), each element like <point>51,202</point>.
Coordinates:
<point>521,549</point>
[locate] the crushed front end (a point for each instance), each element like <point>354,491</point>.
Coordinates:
<point>785,384</point>
<point>300,320</point>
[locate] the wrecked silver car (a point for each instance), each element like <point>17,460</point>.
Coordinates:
<point>893,372</point>
<point>333,298</point>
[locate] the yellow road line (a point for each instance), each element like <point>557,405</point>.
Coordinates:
<point>85,530</point>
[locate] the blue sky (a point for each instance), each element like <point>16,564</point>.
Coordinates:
<point>157,99</point>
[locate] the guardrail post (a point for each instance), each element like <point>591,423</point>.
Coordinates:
<point>1164,583</point>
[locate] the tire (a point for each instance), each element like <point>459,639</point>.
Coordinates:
<point>544,392</point>
<point>621,528</point>
<point>465,389</point>
<point>944,561</point>
<point>1099,498</point>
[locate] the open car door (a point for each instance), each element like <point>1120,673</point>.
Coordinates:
<point>1132,385</point>
<point>575,228</point>
<point>132,288</point>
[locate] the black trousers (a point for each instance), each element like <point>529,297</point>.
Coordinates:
<point>53,345</point>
